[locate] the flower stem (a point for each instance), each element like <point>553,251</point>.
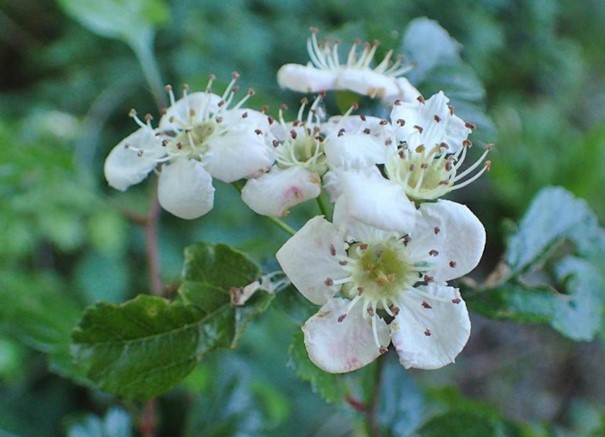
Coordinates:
<point>372,408</point>
<point>323,207</point>
<point>283,225</point>
<point>148,420</point>
<point>152,250</point>
<point>280,223</point>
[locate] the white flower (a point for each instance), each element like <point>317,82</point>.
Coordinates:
<point>200,137</point>
<point>421,161</point>
<point>300,163</point>
<point>432,143</point>
<point>325,72</point>
<point>375,287</point>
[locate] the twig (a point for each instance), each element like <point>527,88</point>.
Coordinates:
<point>152,250</point>
<point>148,422</point>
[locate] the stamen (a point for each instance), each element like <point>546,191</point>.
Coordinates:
<point>349,307</point>
<point>375,332</point>
<point>168,89</point>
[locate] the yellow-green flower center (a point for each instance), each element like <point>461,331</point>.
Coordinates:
<point>380,272</point>
<point>193,141</point>
<point>302,150</point>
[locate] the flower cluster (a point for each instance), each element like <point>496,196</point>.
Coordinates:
<point>379,268</point>
<point>200,136</point>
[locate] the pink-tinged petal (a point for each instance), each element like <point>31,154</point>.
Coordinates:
<point>432,327</point>
<point>339,347</point>
<point>406,92</point>
<point>133,158</point>
<point>185,189</point>
<point>190,111</point>
<point>240,152</point>
<point>311,258</point>
<point>366,82</point>
<point>305,78</point>
<point>453,235</point>
<point>377,201</point>
<point>274,193</point>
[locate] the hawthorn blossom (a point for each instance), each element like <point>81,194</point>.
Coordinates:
<point>423,160</point>
<point>376,287</point>
<point>201,136</point>
<point>306,149</point>
<point>326,72</point>
<point>432,144</point>
<point>300,162</point>
<point>358,145</point>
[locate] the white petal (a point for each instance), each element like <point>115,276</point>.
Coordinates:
<point>249,116</point>
<point>356,124</point>
<point>406,92</point>
<point>238,153</point>
<point>429,333</point>
<point>274,193</point>
<point>331,182</point>
<point>133,158</point>
<point>438,124</point>
<point>355,230</point>
<point>305,78</point>
<point>311,257</point>
<point>377,201</point>
<point>185,189</point>
<point>190,110</point>
<point>366,82</point>
<point>455,233</point>
<point>451,129</point>
<point>354,151</point>
<point>339,347</point>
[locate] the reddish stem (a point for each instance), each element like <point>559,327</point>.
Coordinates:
<point>148,422</point>
<point>356,404</point>
<point>152,250</point>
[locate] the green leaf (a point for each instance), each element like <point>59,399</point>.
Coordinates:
<point>428,44</point>
<point>143,347</point>
<point>228,407</point>
<point>514,302</point>
<point>34,310</point>
<point>331,387</point>
<point>440,68</point>
<point>218,266</point>
<point>465,417</point>
<point>468,424</point>
<point>579,314</point>
<point>570,291</point>
<point>211,273</point>
<point>554,214</point>
<point>129,20</point>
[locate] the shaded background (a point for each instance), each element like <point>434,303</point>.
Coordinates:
<point>64,98</point>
